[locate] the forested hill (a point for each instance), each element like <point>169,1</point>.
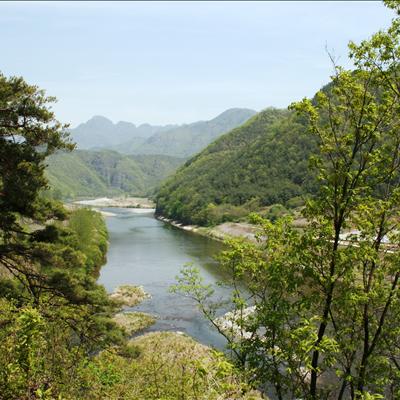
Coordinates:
<point>263,162</point>
<point>84,173</point>
<point>187,140</point>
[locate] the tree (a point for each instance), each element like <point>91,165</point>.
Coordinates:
<point>34,250</point>
<point>53,313</point>
<point>28,133</point>
<point>326,300</point>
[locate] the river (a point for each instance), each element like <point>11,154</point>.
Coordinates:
<point>145,251</point>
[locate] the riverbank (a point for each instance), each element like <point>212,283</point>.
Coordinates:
<point>118,202</point>
<point>222,232</point>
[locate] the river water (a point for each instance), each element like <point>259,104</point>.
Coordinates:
<point>145,251</point>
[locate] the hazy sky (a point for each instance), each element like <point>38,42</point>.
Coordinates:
<point>175,62</point>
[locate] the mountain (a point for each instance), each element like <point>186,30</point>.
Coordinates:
<point>186,140</point>
<point>100,132</point>
<point>173,140</point>
<point>83,173</point>
<point>263,162</point>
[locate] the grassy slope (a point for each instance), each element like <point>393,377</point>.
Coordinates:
<point>168,366</point>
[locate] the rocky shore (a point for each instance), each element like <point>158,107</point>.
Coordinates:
<point>129,295</point>
<point>227,230</point>
<point>131,321</point>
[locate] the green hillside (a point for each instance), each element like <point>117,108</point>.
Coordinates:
<point>263,162</point>
<point>106,173</point>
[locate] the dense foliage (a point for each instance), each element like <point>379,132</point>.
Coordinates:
<point>44,342</point>
<point>265,161</point>
<point>53,313</point>
<point>86,173</point>
<point>319,316</point>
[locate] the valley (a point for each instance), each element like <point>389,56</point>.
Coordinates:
<point>232,232</point>
<point>107,163</point>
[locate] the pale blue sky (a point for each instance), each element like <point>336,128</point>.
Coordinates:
<point>177,62</point>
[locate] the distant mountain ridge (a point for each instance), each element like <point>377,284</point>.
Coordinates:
<point>173,140</point>
<point>100,132</point>
<point>187,140</point>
